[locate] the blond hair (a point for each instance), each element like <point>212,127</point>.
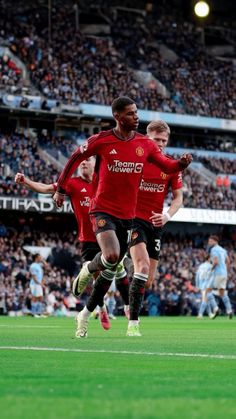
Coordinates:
<point>158,126</point>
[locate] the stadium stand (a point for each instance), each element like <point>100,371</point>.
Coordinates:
<point>91,68</point>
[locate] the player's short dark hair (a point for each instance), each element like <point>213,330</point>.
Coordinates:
<point>119,104</point>
<point>214,237</point>
<point>34,257</point>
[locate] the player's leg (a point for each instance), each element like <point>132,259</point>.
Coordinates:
<point>110,301</point>
<point>104,227</point>
<point>143,234</point>
<point>36,304</point>
<point>225,298</point>
<point>203,305</point>
<point>88,251</point>
<point>33,304</point>
<point>152,272</point>
<point>141,264</point>
<point>106,262</point>
<point>39,306</point>
<point>213,304</point>
<point>122,285</point>
<point>144,249</point>
<point>220,284</point>
<point>110,248</point>
<point>209,310</point>
<point>153,243</point>
<point>120,233</point>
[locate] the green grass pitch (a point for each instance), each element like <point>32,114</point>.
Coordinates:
<point>179,368</point>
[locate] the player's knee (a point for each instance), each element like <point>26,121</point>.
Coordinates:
<point>145,269</point>
<point>112,257</point>
<point>142,266</point>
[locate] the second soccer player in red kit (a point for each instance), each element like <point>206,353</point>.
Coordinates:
<point>145,243</point>
<point>121,154</point>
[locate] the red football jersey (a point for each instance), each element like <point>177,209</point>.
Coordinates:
<point>153,189</point>
<point>80,192</point>
<point>120,170</point>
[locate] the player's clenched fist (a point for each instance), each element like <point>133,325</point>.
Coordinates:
<point>185,160</point>
<point>59,199</point>
<point>20,178</point>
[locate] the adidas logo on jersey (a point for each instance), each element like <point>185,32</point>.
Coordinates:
<point>113,151</point>
<point>83,190</point>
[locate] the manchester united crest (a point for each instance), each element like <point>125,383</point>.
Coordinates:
<point>139,151</point>
<point>101,222</point>
<point>163,175</point>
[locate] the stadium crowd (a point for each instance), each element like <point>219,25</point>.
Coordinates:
<point>201,194</point>
<point>219,165</point>
<point>11,78</point>
<point>188,74</point>
<point>21,153</point>
<point>97,69</point>
<point>54,143</point>
<point>173,292</point>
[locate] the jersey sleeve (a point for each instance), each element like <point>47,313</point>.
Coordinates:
<point>89,148</point>
<point>160,160</point>
<point>67,187</point>
<point>176,181</point>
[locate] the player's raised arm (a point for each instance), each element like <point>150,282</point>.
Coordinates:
<point>39,187</point>
<point>169,165</point>
<point>82,153</point>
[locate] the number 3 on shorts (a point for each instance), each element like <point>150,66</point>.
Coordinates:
<point>157,245</point>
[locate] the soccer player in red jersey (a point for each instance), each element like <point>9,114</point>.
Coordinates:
<point>145,243</point>
<point>121,154</point>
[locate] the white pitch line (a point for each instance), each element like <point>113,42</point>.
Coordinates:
<point>105,351</point>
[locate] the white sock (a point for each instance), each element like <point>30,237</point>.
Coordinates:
<point>85,313</point>
<point>133,322</point>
